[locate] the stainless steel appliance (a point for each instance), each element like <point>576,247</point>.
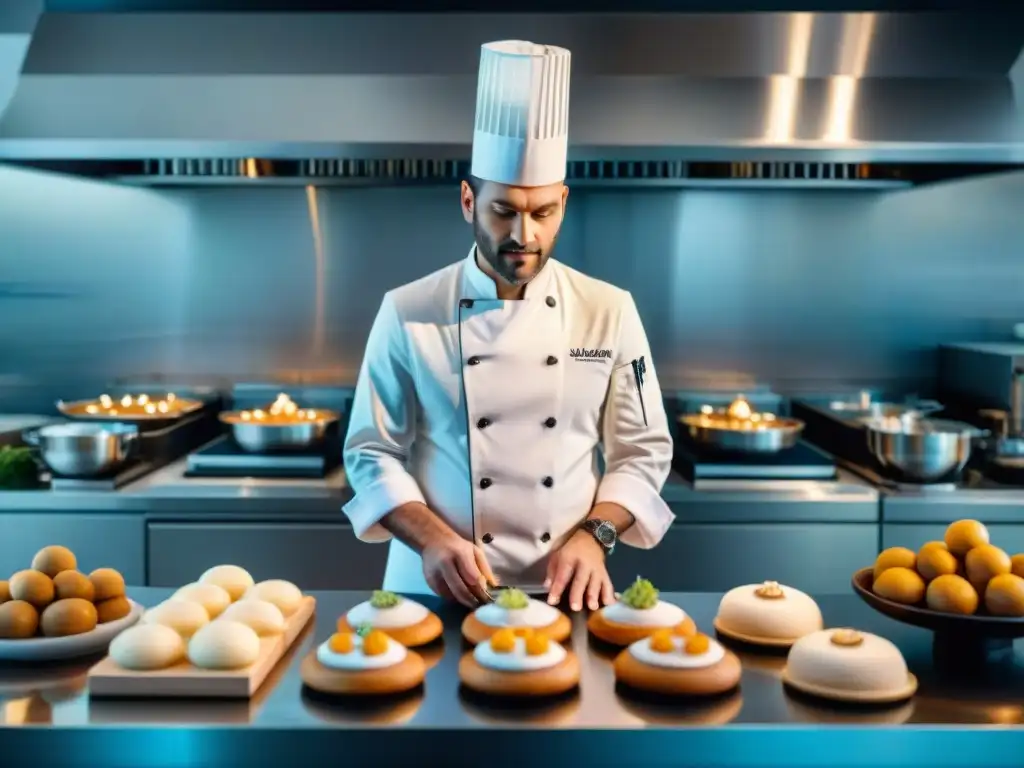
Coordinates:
<point>80,450</point>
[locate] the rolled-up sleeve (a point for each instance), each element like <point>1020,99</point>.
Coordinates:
<point>381,428</point>
<point>638,456</point>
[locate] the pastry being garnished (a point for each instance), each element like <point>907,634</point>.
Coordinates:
<point>637,614</point>
<point>678,662</point>
<point>520,661</point>
<point>767,614</point>
<point>514,608</point>
<point>404,620</point>
<point>363,662</point>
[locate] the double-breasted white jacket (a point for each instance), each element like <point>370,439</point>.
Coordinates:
<point>492,413</point>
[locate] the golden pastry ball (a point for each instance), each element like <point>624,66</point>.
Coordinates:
<point>73,616</point>
<point>934,560</point>
<point>73,584</point>
<point>901,585</point>
<point>54,559</point>
<point>112,609</point>
<point>5,591</point>
<point>984,563</point>
<point>1004,596</point>
<point>33,587</point>
<point>18,620</point>
<point>894,557</point>
<point>964,535</point>
<point>952,594</point>
<point>107,582</point>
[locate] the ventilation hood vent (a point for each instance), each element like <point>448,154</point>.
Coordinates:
<point>822,88</point>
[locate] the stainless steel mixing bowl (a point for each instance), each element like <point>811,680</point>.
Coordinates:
<point>922,450</point>
<point>81,449</point>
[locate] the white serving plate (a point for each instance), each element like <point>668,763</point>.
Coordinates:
<point>72,647</point>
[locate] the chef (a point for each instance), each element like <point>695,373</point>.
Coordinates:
<point>489,387</point>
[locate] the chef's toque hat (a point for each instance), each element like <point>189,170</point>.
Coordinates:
<point>520,137</point>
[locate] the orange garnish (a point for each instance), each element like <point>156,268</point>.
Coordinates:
<point>661,641</point>
<point>341,642</point>
<point>375,643</point>
<point>503,641</point>
<point>537,644</point>
<point>698,644</point>
<point>523,631</point>
<point>685,628</point>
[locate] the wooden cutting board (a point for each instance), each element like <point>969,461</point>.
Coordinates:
<point>186,681</point>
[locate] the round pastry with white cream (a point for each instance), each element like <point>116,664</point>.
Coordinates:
<point>767,614</point>
<point>404,620</point>
<point>520,661</point>
<point>513,608</point>
<point>676,662</point>
<point>848,665</point>
<point>637,614</point>
<point>364,662</point>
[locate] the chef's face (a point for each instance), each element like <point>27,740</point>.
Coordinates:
<point>515,227</point>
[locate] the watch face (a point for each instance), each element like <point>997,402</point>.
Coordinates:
<point>606,534</point>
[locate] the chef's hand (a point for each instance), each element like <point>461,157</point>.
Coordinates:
<point>581,562</point>
<point>458,570</point>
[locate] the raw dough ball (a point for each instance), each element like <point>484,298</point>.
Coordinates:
<point>213,598</point>
<point>107,582</point>
<point>234,580</point>
<point>901,585</point>
<point>147,647</point>
<point>70,583</point>
<point>33,587</point>
<point>183,616</point>
<point>53,560</point>
<point>68,617</point>
<point>5,591</point>
<point>113,609</point>
<point>18,620</point>
<point>285,595</point>
<point>224,645</point>
<point>264,617</point>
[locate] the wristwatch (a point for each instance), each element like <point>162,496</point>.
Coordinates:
<point>604,532</point>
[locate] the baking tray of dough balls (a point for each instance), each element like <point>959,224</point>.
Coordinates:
<point>964,581</point>
<point>52,610</point>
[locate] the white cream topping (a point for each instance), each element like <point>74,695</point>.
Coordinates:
<point>405,613</point>
<point>793,615</point>
<point>356,660</point>
<point>676,658</point>
<point>536,614</point>
<point>661,614</point>
<point>518,660</point>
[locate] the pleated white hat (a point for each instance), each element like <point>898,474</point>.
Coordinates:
<point>521,133</point>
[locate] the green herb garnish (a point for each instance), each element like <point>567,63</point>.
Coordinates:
<point>512,599</point>
<point>640,595</point>
<point>18,469</point>
<point>364,629</point>
<point>383,599</point>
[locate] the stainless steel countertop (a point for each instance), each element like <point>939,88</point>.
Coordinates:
<point>56,695</point>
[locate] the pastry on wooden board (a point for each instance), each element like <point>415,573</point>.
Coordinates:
<point>364,662</point>
<point>767,614</point>
<point>513,608</point>
<point>678,663</point>
<point>402,619</point>
<point>520,662</point>
<point>637,614</point>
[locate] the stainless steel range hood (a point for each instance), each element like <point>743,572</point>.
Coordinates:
<point>802,87</point>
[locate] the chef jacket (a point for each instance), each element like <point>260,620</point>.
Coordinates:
<point>491,412</point>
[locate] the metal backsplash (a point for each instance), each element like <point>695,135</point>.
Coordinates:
<point>796,289</point>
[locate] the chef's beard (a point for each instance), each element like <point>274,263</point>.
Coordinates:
<point>494,255</point>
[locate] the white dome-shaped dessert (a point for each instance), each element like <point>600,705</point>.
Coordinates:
<point>850,665</point>
<point>768,613</point>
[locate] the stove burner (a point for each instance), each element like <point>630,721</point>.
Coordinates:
<point>223,458</point>
<point>125,475</point>
<point>801,462</point>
